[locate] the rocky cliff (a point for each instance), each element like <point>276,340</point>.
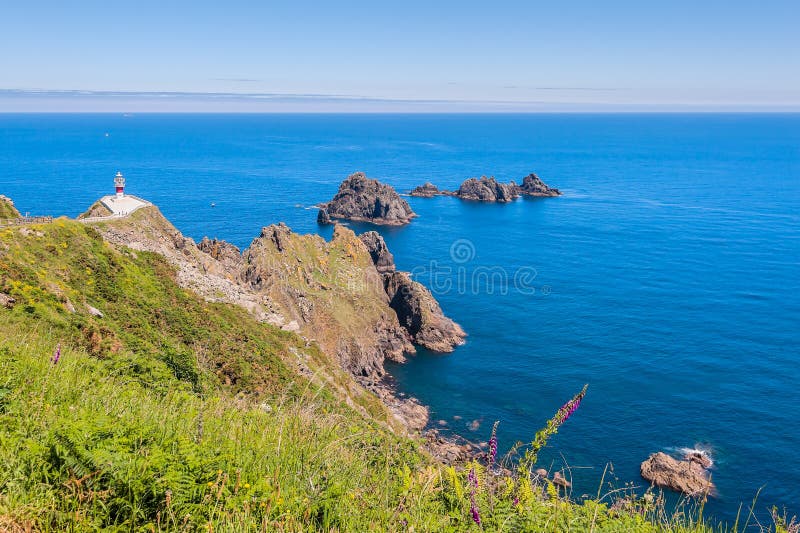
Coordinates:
<point>417,310</point>
<point>363,199</point>
<point>7,209</point>
<point>343,295</point>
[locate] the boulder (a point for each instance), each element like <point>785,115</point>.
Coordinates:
<point>363,199</point>
<point>688,477</point>
<point>485,189</point>
<point>6,301</point>
<point>561,481</point>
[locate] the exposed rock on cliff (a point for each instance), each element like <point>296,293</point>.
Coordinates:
<point>417,310</point>
<point>688,477</point>
<point>333,291</point>
<point>428,190</point>
<point>487,190</point>
<point>7,209</point>
<point>97,210</point>
<point>363,199</point>
<point>376,246</point>
<point>532,185</point>
<point>224,252</point>
<point>419,313</point>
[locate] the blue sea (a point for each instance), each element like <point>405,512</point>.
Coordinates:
<point>667,276</point>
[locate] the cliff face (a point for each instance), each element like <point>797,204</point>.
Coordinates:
<point>363,199</point>
<point>332,291</point>
<point>417,310</point>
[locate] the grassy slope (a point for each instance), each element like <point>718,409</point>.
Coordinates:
<point>171,413</point>
<point>7,209</point>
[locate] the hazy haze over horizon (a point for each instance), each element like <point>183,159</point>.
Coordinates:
<point>359,56</point>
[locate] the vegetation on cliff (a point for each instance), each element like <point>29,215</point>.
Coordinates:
<point>128,402</point>
<point>7,209</point>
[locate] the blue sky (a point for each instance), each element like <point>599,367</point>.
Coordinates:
<point>423,56</point>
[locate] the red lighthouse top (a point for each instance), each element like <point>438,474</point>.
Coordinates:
<point>119,183</point>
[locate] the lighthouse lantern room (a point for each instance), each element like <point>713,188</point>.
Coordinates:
<point>119,183</point>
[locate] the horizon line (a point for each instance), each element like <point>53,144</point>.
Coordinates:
<point>111,101</point>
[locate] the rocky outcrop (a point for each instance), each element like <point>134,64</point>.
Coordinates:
<point>428,190</point>
<point>7,209</point>
<point>323,218</point>
<point>224,252</point>
<point>532,185</point>
<point>97,209</point>
<point>363,199</point>
<point>687,476</point>
<point>420,314</point>
<point>485,189</point>
<point>416,308</point>
<point>332,291</point>
<point>382,258</point>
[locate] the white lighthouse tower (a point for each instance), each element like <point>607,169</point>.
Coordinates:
<point>119,183</point>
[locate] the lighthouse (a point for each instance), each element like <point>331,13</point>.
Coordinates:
<point>119,183</point>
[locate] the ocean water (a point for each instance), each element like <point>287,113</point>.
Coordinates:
<point>667,276</point>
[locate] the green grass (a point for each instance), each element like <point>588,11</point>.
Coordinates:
<point>170,413</point>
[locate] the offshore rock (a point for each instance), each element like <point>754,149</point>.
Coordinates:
<point>487,190</point>
<point>429,190</point>
<point>323,218</point>
<point>363,199</point>
<point>532,185</point>
<point>688,477</point>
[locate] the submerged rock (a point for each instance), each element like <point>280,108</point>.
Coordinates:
<point>485,189</point>
<point>688,477</point>
<point>363,199</point>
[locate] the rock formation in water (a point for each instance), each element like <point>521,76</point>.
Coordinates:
<point>532,185</point>
<point>363,199</point>
<point>428,190</point>
<point>417,310</point>
<point>487,190</point>
<point>687,476</point>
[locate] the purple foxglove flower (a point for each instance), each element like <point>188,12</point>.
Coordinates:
<point>56,354</point>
